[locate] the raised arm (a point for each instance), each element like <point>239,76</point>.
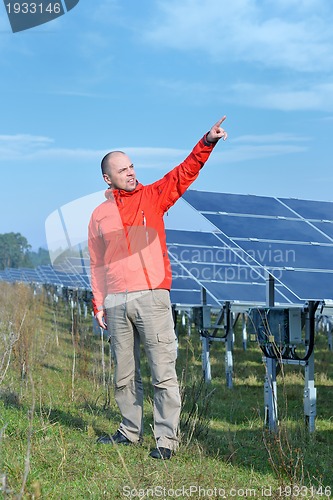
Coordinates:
<point>173,185</point>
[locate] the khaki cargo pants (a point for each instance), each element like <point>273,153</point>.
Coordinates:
<point>145,316</point>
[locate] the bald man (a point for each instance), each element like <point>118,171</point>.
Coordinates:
<point>131,281</point>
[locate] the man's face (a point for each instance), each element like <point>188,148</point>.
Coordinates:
<point>121,173</point>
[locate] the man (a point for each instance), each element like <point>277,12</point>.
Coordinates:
<point>131,281</point>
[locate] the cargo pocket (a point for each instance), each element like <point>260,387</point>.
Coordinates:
<point>164,319</point>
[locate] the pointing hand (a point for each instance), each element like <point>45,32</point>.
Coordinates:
<point>216,132</point>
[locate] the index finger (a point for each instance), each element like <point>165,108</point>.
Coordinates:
<point>217,124</point>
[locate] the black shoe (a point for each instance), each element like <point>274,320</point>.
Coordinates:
<point>117,438</point>
<point>161,453</point>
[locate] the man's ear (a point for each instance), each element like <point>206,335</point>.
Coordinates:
<point>107,179</point>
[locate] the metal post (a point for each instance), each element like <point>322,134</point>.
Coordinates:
<point>206,359</point>
<point>244,331</point>
<point>270,395</point>
<point>270,292</point>
<point>329,334</point>
<point>228,344</point>
<point>270,387</point>
<point>310,395</point>
<point>310,392</point>
<point>205,346</point>
<point>188,326</point>
<point>204,296</point>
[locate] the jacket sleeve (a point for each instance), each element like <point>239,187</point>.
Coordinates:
<point>97,266</point>
<point>174,184</point>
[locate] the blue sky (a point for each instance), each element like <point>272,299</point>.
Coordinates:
<point>150,78</point>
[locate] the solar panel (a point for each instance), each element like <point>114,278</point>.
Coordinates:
<point>266,228</point>
<point>30,275</point>
<point>292,239</point>
<point>308,285</point>
<point>49,275</point>
<point>202,260</point>
<point>326,227</point>
<point>204,201</point>
<point>284,255</point>
<point>15,273</point>
<point>6,276</point>
<point>21,274</point>
<point>186,290</point>
<point>310,210</point>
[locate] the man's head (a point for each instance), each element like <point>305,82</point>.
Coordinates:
<point>118,171</point>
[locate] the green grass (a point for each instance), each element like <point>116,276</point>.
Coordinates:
<point>52,410</point>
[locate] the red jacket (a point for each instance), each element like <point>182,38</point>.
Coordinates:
<point>127,242</point>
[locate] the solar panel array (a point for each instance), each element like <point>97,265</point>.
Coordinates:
<point>292,239</point>
<point>244,236</point>
<point>46,275</point>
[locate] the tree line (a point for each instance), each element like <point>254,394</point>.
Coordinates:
<point>15,251</point>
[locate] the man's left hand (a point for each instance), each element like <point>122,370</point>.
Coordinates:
<point>217,132</point>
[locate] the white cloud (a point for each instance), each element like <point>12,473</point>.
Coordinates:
<point>39,149</point>
<point>293,35</point>
<point>293,95</point>
<point>281,138</point>
<point>26,147</point>
<point>17,146</point>
<point>250,146</point>
<point>255,152</point>
<point>286,98</point>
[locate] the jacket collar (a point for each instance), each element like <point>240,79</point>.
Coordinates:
<point>121,193</point>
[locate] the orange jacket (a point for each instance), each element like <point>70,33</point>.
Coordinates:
<point>127,242</point>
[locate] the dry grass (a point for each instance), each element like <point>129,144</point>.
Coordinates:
<point>55,399</point>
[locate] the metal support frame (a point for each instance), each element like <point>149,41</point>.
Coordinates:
<point>229,343</point>
<point>205,356</point>
<point>310,392</point>
<point>330,338</point>
<point>244,331</point>
<point>310,395</point>
<point>273,367</point>
<point>270,386</point>
<point>270,395</point>
<point>226,323</point>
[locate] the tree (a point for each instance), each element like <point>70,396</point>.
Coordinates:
<point>39,258</point>
<point>14,249</point>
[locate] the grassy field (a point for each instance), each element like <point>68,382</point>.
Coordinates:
<point>56,399</point>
